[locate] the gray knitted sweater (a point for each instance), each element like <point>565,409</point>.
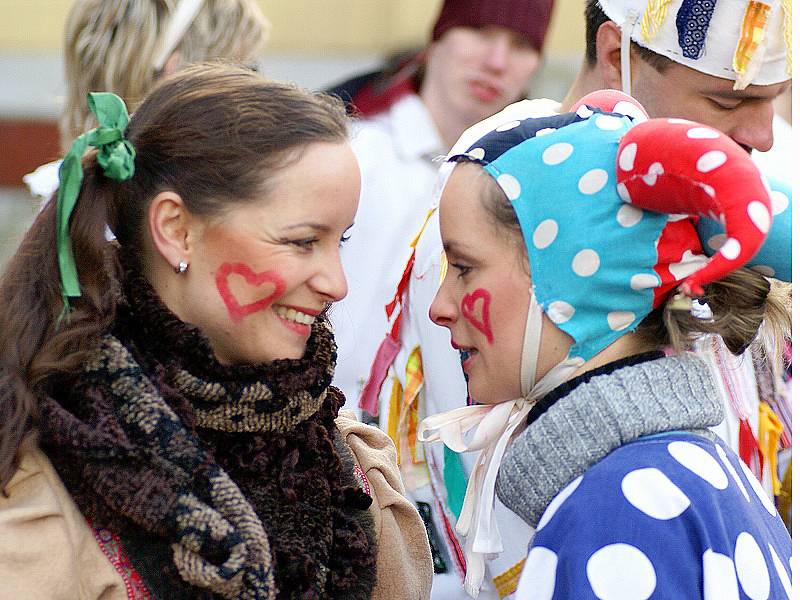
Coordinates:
<point>605,412</point>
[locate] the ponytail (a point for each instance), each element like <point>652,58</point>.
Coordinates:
<point>36,350</point>
<point>744,309</point>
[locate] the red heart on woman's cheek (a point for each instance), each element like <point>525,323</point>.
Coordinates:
<point>475,308</point>
<point>239,311</point>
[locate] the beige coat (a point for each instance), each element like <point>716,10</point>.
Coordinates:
<point>49,552</point>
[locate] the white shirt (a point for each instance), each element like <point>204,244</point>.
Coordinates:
<point>395,151</point>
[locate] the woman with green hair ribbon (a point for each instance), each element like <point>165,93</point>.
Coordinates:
<point>116,157</point>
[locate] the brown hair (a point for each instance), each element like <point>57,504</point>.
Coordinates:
<point>211,133</point>
<point>109,46</point>
<point>594,18</point>
<point>743,304</point>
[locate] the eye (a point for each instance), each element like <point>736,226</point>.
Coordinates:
<point>725,103</point>
<point>304,244</point>
<point>463,270</point>
<point>343,240</point>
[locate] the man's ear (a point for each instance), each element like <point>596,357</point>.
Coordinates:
<point>173,63</point>
<point>170,225</point>
<point>608,45</point>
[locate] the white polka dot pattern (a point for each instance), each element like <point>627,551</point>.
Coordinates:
<point>560,312</point>
<point>719,577</point>
<point>627,156</point>
<point>653,493</point>
<point>557,501</point>
<point>653,172</point>
<point>724,458</point>
<point>783,575</point>
<point>759,215</point>
<point>702,133</point>
<point>545,234</point>
<point>644,281</point>
<point>585,263</point>
<point>690,263</point>
<point>593,181</point>
<point>608,122</point>
<point>478,153</point>
<point>758,489</point>
<point>699,462</point>
<point>751,567</point>
<point>713,159</point>
<point>627,108</point>
<point>629,215</point>
<point>557,153</point>
<point>510,186</point>
<point>731,249</point>
<point>538,578</point>
<point>507,126</point>
<point>545,131</point>
<point>780,202</point>
<point>765,270</point>
<point>620,319</point>
<point>676,217</point>
<point>623,192</point>
<point>584,112</point>
<point>715,242</point>
<point>636,581</point>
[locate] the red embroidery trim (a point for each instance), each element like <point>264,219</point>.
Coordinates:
<point>111,546</point>
<point>362,477</point>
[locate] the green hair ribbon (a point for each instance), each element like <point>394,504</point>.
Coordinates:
<point>116,157</point>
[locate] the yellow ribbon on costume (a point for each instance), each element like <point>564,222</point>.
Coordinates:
<point>506,583</point>
<point>395,402</point>
<point>747,59</point>
<point>653,18</point>
<point>410,455</point>
<point>769,432</point>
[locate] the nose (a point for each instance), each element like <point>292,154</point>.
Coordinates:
<point>754,130</point>
<point>443,311</point>
<point>330,281</point>
<point>498,52</point>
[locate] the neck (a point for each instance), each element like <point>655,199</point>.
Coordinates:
<point>588,80</point>
<point>448,122</point>
<point>627,345</point>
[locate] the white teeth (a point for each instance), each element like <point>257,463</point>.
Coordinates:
<point>290,314</point>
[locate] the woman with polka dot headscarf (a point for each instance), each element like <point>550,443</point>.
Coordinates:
<point>575,246</point>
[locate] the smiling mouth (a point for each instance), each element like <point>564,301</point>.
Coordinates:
<point>294,316</point>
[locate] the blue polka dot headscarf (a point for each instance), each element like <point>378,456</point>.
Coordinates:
<point>610,211</point>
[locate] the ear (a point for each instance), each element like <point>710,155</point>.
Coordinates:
<point>609,54</point>
<point>171,226</point>
<point>173,63</point>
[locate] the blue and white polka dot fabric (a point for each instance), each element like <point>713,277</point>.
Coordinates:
<point>633,526</point>
<point>591,254</point>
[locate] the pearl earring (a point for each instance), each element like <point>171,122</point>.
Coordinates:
<point>182,267</point>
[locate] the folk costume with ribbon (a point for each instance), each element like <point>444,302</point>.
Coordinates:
<point>620,189</point>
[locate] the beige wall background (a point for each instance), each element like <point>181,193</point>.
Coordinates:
<point>299,26</point>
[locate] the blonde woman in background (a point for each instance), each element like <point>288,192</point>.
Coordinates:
<point>126,47</point>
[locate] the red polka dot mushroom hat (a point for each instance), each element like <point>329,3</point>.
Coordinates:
<point>619,213</point>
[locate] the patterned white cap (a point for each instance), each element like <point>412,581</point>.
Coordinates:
<point>748,41</point>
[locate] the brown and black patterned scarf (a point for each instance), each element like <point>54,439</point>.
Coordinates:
<point>221,481</point>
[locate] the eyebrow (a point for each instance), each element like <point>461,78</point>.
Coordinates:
<point>457,249</point>
<point>309,224</point>
<point>746,94</point>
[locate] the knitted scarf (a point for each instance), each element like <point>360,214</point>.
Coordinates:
<point>601,414</point>
<point>221,481</point>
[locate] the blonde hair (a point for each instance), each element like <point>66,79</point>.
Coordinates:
<point>110,46</point>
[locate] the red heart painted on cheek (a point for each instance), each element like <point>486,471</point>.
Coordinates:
<point>474,304</point>
<point>239,311</point>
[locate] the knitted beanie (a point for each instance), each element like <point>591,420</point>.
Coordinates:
<point>531,18</point>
